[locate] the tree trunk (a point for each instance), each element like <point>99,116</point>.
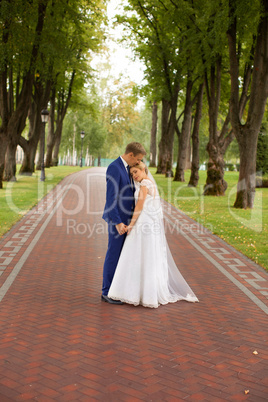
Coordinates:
<point>170,141</point>
<point>28,163</point>
<point>50,146</point>
<point>188,162</point>
<point>42,139</point>
<point>58,132</point>
<point>75,154</point>
<point>247,134</point>
<point>13,119</point>
<point>30,146</point>
<point>15,128</point>
<point>161,167</point>
<point>247,174</point>
<point>51,135</point>
<point>10,161</point>
<point>3,140</point>
<point>185,134</point>
<point>62,106</point>
<point>195,139</point>
<point>215,184</point>
<point>169,125</point>
<point>153,136</point>
<point>29,152</point>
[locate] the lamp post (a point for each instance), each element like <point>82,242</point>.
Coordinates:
<point>44,118</point>
<point>82,137</point>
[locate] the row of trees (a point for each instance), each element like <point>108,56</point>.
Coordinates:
<point>197,47</point>
<point>45,51</point>
<point>110,121</point>
<point>201,57</point>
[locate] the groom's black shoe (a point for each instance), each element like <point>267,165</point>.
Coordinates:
<point>109,300</point>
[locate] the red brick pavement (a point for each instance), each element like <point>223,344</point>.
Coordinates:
<point>59,342</point>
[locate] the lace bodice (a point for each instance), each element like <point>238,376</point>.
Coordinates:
<point>149,184</point>
<point>152,205</point>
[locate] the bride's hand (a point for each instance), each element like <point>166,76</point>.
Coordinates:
<point>129,228</point>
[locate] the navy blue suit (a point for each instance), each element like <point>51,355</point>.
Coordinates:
<point>118,208</point>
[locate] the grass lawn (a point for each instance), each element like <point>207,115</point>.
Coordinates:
<point>17,198</point>
<point>245,230</point>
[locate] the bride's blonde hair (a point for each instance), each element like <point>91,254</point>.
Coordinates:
<point>141,166</point>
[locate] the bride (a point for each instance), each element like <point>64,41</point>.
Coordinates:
<point>146,273</point>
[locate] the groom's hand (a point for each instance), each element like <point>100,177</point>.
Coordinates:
<point>121,228</point>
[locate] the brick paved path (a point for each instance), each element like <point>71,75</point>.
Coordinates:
<point>59,342</point>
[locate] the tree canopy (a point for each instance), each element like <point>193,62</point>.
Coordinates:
<point>201,57</point>
<point>59,39</point>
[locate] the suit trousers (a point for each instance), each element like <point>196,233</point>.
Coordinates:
<point>115,244</point>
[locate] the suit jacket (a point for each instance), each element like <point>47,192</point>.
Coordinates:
<point>119,194</point>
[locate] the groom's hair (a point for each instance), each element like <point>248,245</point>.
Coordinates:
<point>136,148</point>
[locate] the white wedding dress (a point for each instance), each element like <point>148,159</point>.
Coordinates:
<point>146,273</point>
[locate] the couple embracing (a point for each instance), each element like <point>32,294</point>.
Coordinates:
<point>138,267</point>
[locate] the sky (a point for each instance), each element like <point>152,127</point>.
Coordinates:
<point>120,57</point>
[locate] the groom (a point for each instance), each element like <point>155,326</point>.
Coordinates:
<point>118,210</point>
